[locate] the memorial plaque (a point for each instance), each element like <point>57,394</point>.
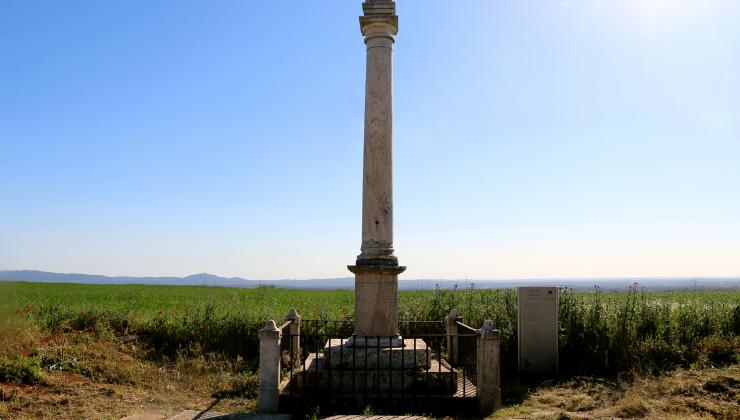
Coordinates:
<point>537,326</point>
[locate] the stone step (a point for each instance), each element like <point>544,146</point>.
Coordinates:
<point>319,376</point>
<point>412,353</point>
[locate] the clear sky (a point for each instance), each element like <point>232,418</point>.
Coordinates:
<point>564,138</point>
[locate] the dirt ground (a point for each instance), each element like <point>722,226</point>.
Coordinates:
<point>705,393</point>
<point>73,396</point>
<point>86,377</point>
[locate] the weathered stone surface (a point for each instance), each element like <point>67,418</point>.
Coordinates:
<point>538,329</point>
<point>376,300</point>
<point>489,368</point>
<point>268,399</point>
<point>413,353</point>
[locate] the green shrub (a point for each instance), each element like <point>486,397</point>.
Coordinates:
<point>24,370</point>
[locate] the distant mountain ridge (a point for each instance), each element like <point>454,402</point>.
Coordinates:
<point>206,279</point>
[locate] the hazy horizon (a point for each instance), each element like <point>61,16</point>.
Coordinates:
<point>401,278</point>
<point>555,139</point>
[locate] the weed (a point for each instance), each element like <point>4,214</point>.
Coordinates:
<point>24,370</point>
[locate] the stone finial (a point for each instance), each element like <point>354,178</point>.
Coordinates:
<point>270,326</point>
<point>488,330</point>
<point>270,330</point>
<point>292,315</point>
<point>453,316</point>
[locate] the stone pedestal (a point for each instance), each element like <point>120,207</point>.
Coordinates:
<point>376,306</point>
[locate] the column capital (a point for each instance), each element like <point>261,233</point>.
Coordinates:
<point>379,19</point>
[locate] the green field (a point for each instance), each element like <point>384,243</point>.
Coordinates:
<point>601,333</point>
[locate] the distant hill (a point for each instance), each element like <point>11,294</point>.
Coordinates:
<point>205,279</point>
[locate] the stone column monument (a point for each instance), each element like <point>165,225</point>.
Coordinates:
<point>376,270</point>
<point>376,359</point>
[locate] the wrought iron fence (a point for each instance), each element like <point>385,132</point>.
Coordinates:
<point>328,371</point>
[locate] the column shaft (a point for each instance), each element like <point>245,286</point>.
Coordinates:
<point>379,25</point>
<point>377,196</point>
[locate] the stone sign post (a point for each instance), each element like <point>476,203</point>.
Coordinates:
<point>376,269</point>
<point>537,326</point>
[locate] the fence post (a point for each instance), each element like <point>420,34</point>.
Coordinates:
<point>295,336</point>
<point>489,368</point>
<point>268,400</point>
<point>452,348</point>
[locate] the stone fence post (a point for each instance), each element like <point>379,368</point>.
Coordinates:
<point>452,341</point>
<point>269,392</point>
<point>295,336</point>
<point>489,368</point>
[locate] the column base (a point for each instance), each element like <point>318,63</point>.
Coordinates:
<point>376,302</point>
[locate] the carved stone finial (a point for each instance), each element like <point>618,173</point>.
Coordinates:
<point>487,330</point>
<point>270,326</point>
<point>453,315</point>
<point>292,315</point>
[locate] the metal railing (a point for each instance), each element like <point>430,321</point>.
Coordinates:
<point>432,368</point>
<point>340,376</point>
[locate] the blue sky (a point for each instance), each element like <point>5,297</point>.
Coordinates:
<point>532,138</point>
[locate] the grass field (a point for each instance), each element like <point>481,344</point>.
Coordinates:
<point>601,333</point>
<point>203,340</point>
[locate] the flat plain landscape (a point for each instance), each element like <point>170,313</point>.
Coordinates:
<point>109,350</point>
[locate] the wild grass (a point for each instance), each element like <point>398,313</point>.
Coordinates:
<point>681,394</point>
<point>600,333</point>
